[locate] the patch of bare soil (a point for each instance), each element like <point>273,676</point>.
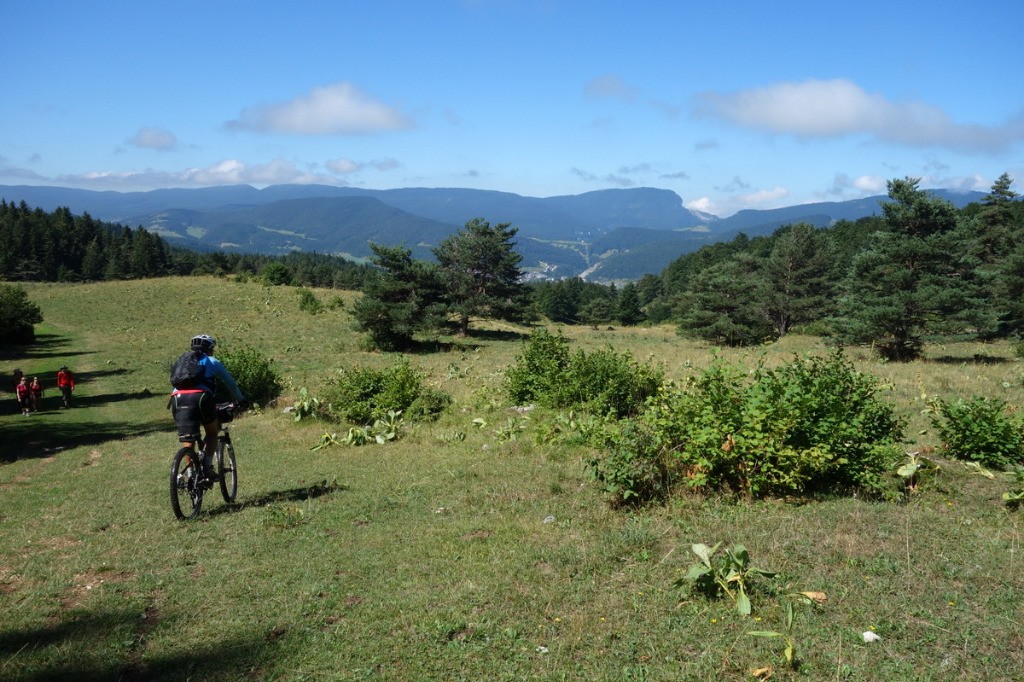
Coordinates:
<point>83,585</point>
<point>9,581</point>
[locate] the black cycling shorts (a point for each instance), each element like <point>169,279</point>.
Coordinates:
<point>191,410</point>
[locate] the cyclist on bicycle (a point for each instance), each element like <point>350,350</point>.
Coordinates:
<point>197,405</point>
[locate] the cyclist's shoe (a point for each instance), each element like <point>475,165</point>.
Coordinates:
<point>209,473</point>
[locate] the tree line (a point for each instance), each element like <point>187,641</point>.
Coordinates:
<point>921,269</point>
<point>57,246</point>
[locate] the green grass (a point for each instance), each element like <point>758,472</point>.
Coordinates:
<point>439,558</point>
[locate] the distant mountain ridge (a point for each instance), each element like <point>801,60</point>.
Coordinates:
<point>612,234</point>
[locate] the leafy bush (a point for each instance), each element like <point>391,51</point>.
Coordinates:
<point>538,371</point>
<point>630,467</point>
<point>308,302</point>
<point>813,425</point>
<point>254,373</point>
<point>979,430</point>
<point>363,395</point>
<point>18,314</point>
<point>605,382</point>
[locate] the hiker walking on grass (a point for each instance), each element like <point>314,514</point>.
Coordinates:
<point>66,384</point>
<point>24,395</point>
<point>36,390</point>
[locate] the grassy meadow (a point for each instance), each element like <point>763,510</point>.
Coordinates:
<point>453,553</point>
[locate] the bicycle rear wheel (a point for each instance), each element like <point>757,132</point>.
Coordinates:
<point>186,493</point>
<point>227,469</point>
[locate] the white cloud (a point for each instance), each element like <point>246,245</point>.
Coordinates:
<point>343,166</point>
<point>834,108</point>
<point>765,198</point>
<point>338,109</point>
<point>842,183</point>
<point>226,172</point>
<point>611,87</point>
<point>761,199</point>
<point>153,138</point>
<point>869,184</point>
<point>703,204</point>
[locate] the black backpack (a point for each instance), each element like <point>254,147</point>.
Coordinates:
<point>187,372</point>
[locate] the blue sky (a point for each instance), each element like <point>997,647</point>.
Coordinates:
<point>731,105</point>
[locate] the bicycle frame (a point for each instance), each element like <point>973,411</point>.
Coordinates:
<point>189,482</point>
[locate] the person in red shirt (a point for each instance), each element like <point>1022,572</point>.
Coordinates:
<point>66,384</point>
<point>24,396</point>
<point>36,389</point>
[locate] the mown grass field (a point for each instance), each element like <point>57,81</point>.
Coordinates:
<point>452,554</point>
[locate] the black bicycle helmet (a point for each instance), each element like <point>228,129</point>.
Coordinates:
<point>204,343</point>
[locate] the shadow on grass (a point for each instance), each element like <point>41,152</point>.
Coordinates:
<point>976,359</point>
<point>45,346</point>
<point>308,492</point>
<point>497,335</point>
<point>29,437</point>
<point>421,347</point>
<point>52,401</point>
<point>81,631</point>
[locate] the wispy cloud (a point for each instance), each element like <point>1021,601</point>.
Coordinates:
<point>610,178</point>
<point>636,168</point>
<point>609,87</point>
<point>153,138</point>
<point>226,172</point>
<point>343,166</point>
<point>17,172</point>
<point>835,108</point>
<point>338,109</point>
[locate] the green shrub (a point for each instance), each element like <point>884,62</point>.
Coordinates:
<point>308,302</point>
<point>254,373</point>
<point>979,430</point>
<point>18,314</point>
<point>363,395</point>
<point>604,382</point>
<point>538,371</point>
<point>630,467</point>
<point>814,425</point>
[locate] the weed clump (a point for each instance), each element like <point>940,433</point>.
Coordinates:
<point>364,395</point>
<point>254,373</point>
<point>981,430</point>
<point>603,382</point>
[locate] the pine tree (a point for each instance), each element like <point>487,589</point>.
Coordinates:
<point>400,300</point>
<point>629,311</point>
<point>481,273</point>
<point>722,307</point>
<point>794,286</point>
<point>912,279</point>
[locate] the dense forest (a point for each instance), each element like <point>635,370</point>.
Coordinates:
<point>922,269</point>
<point>58,246</point>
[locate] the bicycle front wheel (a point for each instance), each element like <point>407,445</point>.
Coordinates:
<point>228,470</point>
<point>186,493</point>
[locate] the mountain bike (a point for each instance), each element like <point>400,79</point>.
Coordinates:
<point>189,482</point>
